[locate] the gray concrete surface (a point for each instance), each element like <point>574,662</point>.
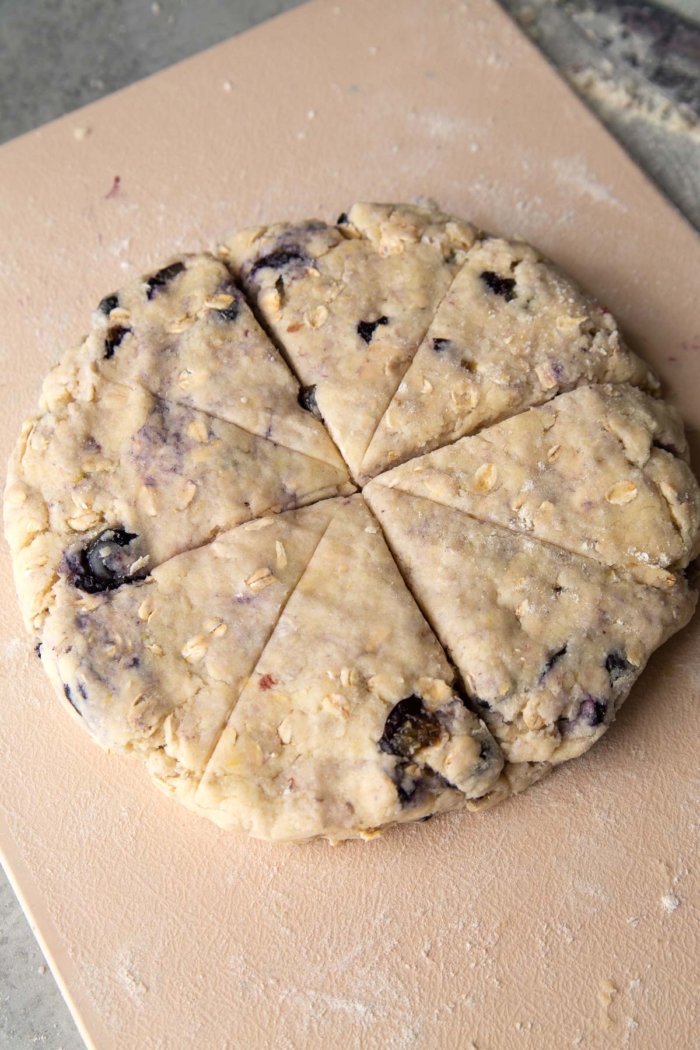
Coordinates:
<point>32,1012</point>
<point>57,55</point>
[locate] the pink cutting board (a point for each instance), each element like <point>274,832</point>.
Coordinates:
<point>540,924</point>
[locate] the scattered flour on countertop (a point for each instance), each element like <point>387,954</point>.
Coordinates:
<point>573,173</point>
<point>670,902</point>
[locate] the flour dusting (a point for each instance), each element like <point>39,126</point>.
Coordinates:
<point>573,173</point>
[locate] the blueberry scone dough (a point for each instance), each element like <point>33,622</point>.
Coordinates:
<point>601,471</point>
<point>111,456</point>
<point>208,595</point>
<point>187,334</point>
<point>153,668</point>
<point>351,303</point>
<point>548,644</point>
<point>369,732</point>
<point>512,332</point>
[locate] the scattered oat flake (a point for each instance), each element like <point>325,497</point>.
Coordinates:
<point>195,649</point>
<point>317,317</point>
<point>281,555</point>
<point>485,477</point>
<point>621,493</point>
<point>198,431</point>
<point>218,302</point>
<point>186,495</point>
<point>15,496</point>
<point>284,730</point>
<point>260,579</point>
<point>259,523</point>
<point>81,133</point>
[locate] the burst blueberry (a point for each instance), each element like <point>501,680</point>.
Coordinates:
<point>408,728</point>
<point>105,563</point>
<point>162,277</point>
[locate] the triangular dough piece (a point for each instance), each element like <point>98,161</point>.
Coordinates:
<point>187,334</point>
<point>512,332</point>
<point>154,668</point>
<point>350,305</point>
<point>548,643</point>
<point>349,721</point>
<point>168,476</point>
<point>601,471</point>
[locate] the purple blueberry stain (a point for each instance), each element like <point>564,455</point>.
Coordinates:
<point>593,711</point>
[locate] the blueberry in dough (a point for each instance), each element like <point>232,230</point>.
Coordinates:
<point>71,701</point>
<point>163,277</point>
<point>109,303</point>
<point>307,400</point>
<point>593,711</point>
<point>666,447</point>
<point>553,659</point>
<point>504,286</point>
<point>282,257</point>
<point>440,344</point>
<point>415,785</point>
<point>230,312</point>
<point>479,704</point>
<point>106,562</point>
<point>113,339</point>
<point>366,329</point>
<point>617,666</point>
<point>408,728</point>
